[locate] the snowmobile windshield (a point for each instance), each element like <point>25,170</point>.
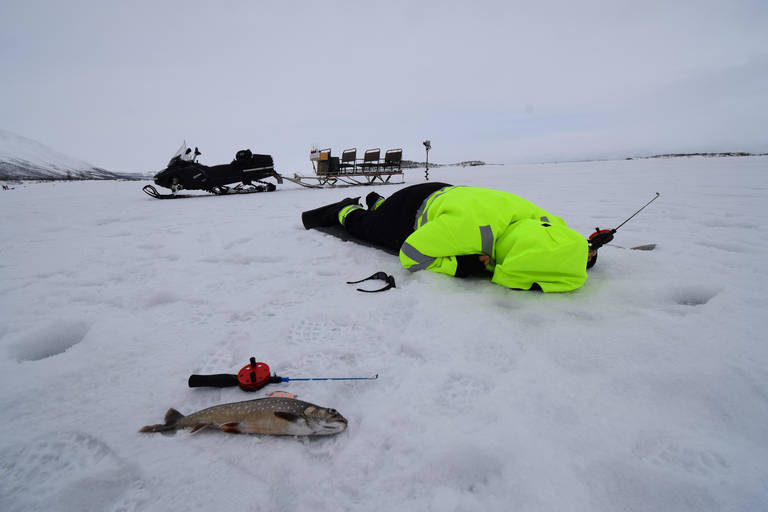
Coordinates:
<point>181,154</point>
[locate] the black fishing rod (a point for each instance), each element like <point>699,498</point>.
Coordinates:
<point>602,236</point>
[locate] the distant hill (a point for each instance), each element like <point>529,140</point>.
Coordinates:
<point>26,159</point>
<point>688,155</point>
<point>410,164</point>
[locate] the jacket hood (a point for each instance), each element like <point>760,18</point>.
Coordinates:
<point>550,254</point>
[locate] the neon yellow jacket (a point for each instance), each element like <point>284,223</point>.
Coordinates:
<point>526,244</point>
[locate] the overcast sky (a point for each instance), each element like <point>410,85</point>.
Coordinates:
<point>121,84</point>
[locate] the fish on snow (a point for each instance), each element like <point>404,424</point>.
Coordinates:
<point>274,416</point>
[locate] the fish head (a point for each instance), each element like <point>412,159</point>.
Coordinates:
<point>324,421</point>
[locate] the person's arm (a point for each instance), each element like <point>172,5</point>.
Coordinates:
<point>435,247</point>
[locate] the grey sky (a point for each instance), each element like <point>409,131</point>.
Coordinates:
<point>121,84</point>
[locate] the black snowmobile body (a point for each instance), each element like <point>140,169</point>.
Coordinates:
<point>185,173</point>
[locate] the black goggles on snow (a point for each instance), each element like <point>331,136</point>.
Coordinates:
<point>390,280</point>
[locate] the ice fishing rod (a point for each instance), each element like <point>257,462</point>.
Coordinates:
<point>253,377</point>
<point>602,236</point>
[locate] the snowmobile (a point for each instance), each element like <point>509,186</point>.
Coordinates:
<point>185,173</point>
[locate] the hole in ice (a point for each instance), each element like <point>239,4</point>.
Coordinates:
<point>693,296</point>
<point>48,340</point>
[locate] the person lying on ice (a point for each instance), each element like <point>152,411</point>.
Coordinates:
<point>462,231</point>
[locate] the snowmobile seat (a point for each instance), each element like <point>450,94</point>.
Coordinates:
<point>244,155</point>
<point>263,162</point>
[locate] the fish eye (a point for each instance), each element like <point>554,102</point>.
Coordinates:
<point>333,411</point>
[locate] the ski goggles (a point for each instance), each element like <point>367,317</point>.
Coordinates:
<point>390,280</point>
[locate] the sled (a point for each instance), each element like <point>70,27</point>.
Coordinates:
<point>348,170</point>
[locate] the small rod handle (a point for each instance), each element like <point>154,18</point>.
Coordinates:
<point>222,380</point>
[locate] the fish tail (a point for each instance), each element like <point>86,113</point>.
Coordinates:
<point>172,418</point>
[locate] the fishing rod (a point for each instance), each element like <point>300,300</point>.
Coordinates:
<point>252,377</point>
<point>288,379</point>
<point>602,236</point>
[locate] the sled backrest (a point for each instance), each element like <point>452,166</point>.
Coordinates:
<point>371,159</point>
<point>372,156</point>
<point>349,155</point>
<point>393,160</point>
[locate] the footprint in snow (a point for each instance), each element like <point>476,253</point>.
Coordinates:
<point>67,471</point>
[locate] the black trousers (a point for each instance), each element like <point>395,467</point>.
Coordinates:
<point>392,222</point>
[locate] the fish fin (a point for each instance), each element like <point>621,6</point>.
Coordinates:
<point>172,417</point>
<point>282,394</point>
<point>231,427</point>
<point>287,416</point>
<point>199,427</point>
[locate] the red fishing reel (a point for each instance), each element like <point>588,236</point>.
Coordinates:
<point>253,376</point>
<point>600,237</point>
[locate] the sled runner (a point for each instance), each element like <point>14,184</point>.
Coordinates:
<point>185,173</point>
<point>332,171</point>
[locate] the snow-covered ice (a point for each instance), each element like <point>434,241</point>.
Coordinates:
<point>646,389</point>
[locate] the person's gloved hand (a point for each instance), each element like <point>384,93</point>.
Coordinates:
<point>600,237</point>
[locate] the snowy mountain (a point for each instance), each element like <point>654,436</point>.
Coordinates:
<point>23,158</point>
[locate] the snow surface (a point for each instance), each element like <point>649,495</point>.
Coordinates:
<point>646,389</point>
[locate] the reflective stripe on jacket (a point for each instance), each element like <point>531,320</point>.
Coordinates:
<point>525,243</point>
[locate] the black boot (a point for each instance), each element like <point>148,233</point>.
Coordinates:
<point>326,216</point>
<point>371,200</point>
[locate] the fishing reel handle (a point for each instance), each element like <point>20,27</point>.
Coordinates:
<point>225,380</point>
<point>222,380</point>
